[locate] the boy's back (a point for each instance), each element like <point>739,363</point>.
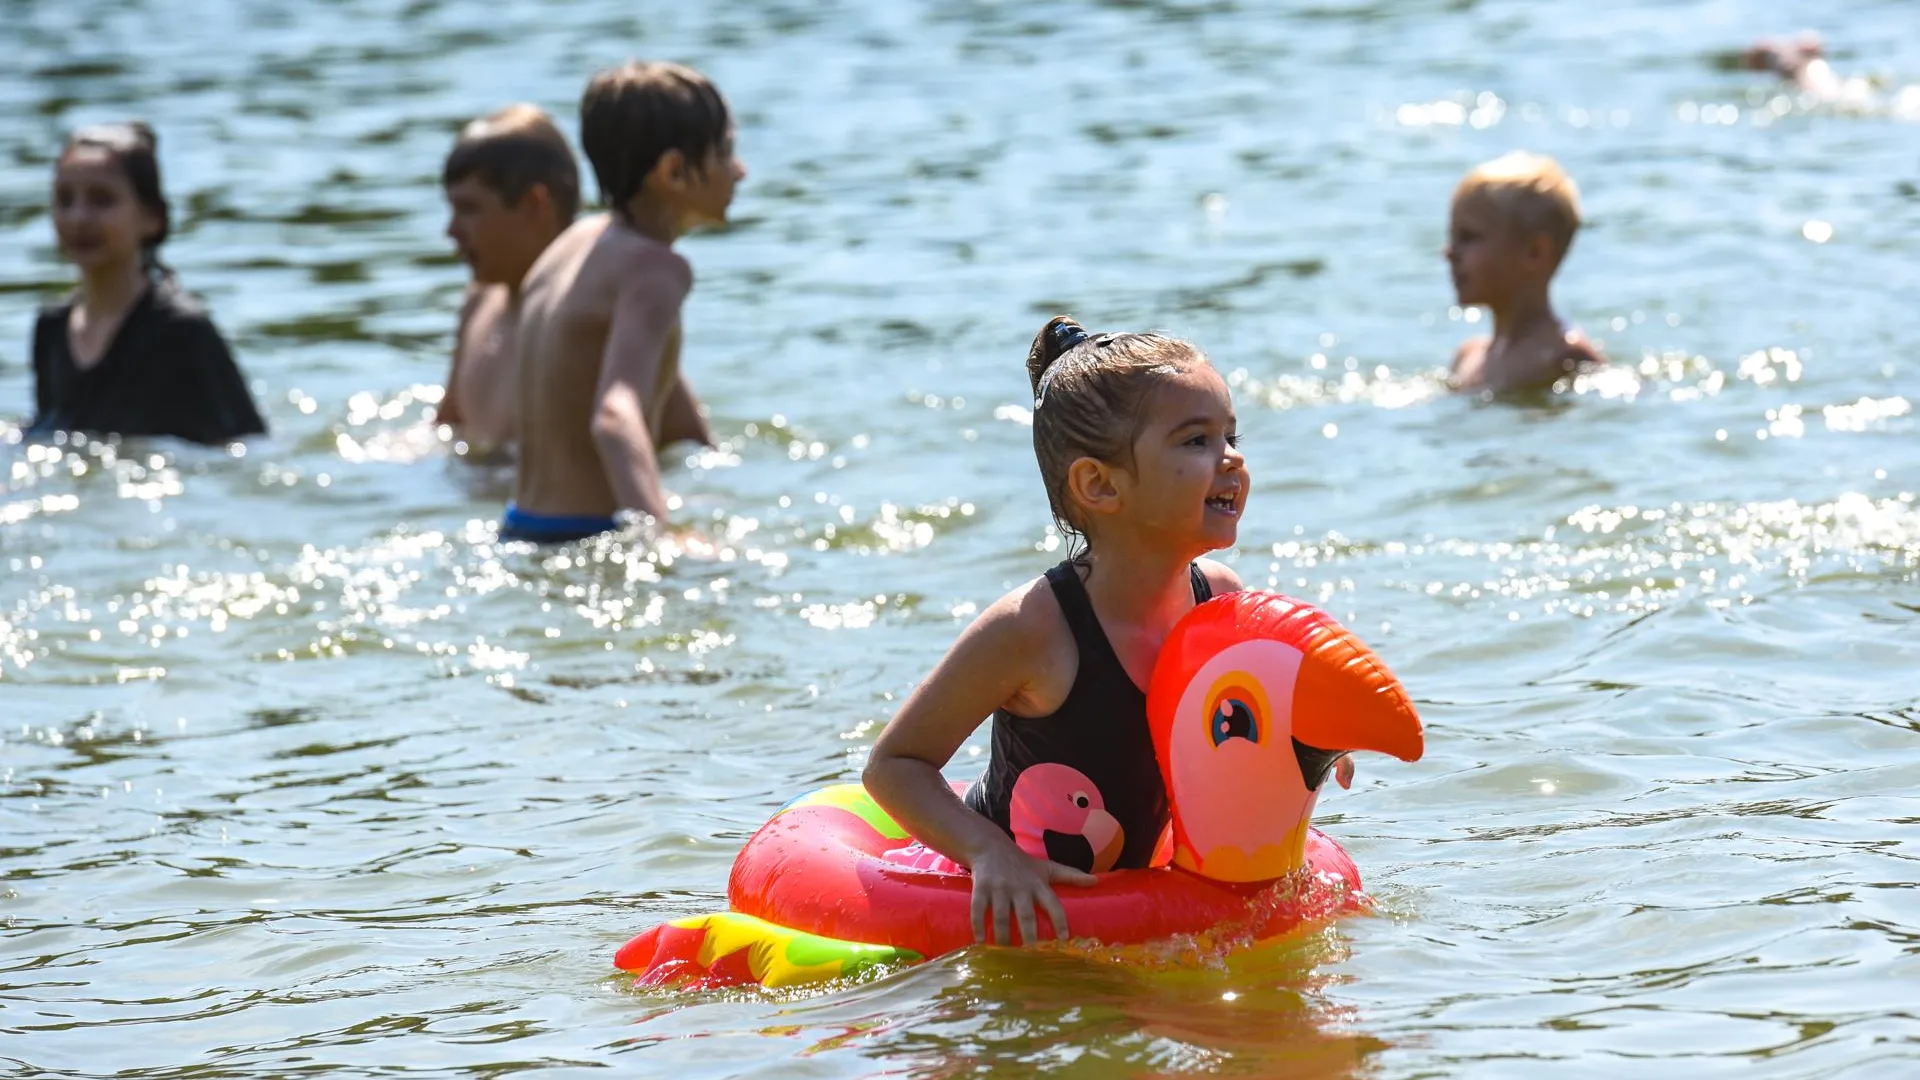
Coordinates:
<point>599,336</point>
<point>600,308</point>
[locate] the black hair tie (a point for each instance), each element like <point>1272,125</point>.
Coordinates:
<point>1067,335</point>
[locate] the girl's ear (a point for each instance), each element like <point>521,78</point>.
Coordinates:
<point>1092,485</point>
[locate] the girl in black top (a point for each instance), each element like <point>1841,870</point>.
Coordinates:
<point>1137,445</point>
<point>129,353</point>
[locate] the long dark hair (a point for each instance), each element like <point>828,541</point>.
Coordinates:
<point>135,148</point>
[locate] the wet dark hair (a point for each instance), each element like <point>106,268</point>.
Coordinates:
<point>512,150</point>
<point>632,115</point>
<point>1088,390</point>
<point>135,148</point>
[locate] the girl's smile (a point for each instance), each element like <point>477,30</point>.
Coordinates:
<point>1188,474</point>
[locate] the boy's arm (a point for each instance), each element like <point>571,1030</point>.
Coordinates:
<point>1582,353</point>
<point>681,418</point>
<point>644,315</point>
<point>448,411</point>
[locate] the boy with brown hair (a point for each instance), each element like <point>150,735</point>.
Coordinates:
<point>1513,219</point>
<point>599,336</point>
<point>512,186</point>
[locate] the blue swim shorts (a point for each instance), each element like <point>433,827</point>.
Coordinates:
<point>553,528</point>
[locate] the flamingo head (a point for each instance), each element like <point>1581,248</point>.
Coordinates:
<point>1058,813</point>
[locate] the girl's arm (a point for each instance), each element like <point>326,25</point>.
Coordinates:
<point>1003,653</point>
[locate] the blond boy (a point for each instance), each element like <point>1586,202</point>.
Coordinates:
<point>1512,222</point>
<point>599,333</point>
<point>512,186</point>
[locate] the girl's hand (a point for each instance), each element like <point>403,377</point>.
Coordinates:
<point>1009,882</point>
<point>1343,770</point>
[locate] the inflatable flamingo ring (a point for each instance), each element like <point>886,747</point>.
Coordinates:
<point>1254,697</point>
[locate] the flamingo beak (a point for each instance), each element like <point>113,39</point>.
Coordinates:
<point>1106,837</point>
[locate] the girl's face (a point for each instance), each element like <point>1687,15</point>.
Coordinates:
<point>97,218</point>
<point>1189,481</point>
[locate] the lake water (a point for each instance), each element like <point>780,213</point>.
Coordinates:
<point>301,772</point>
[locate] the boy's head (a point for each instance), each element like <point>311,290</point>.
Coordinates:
<point>512,186</point>
<point>1513,219</point>
<point>660,138</point>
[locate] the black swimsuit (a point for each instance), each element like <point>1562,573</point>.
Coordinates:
<point>167,371</point>
<point>1095,753</point>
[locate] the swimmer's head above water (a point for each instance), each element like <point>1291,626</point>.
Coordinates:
<point>512,186</point>
<point>1513,220</point>
<point>660,139</point>
<point>1134,431</point>
<point>108,207</point>
<point>1785,56</point>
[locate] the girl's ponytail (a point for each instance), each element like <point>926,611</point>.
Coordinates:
<point>1054,340</point>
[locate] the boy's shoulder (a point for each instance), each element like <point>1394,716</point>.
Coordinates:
<point>615,249</point>
<point>1532,363</point>
<point>481,296</point>
<point>1468,361</point>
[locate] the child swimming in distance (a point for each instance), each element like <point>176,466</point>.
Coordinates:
<point>1801,60</point>
<point>1513,219</point>
<point>599,341</point>
<point>129,353</point>
<point>1138,449</point>
<point>512,186</point>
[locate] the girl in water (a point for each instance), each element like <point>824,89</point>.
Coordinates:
<point>1137,444</point>
<point>129,353</point>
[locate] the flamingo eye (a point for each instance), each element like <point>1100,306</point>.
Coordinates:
<point>1079,799</point>
<point>1233,719</point>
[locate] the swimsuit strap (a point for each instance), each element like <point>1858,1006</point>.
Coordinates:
<point>1077,606</point>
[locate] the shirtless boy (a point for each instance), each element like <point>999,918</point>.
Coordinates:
<point>512,186</point>
<point>599,335</point>
<point>1513,220</point>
